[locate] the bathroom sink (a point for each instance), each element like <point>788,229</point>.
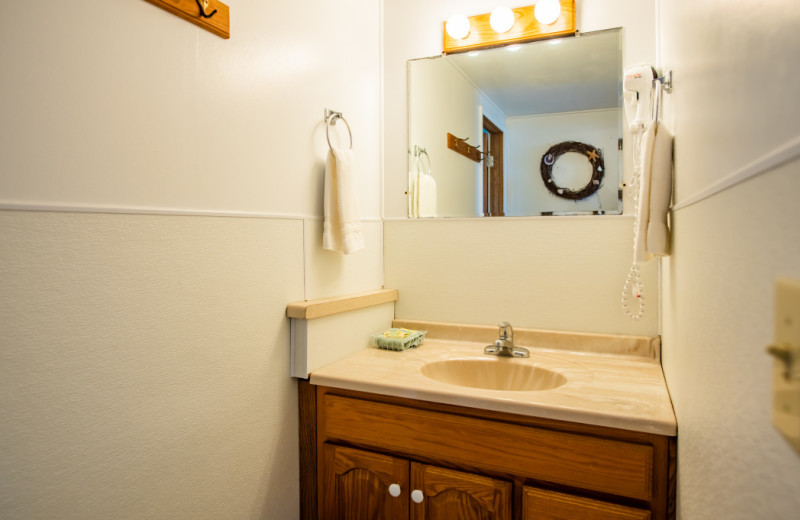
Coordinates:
<point>493,374</point>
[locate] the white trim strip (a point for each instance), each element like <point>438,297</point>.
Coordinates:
<point>542,218</point>
<point>144,210</point>
<point>777,157</point>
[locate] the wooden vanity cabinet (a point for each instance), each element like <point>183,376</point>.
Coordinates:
<point>357,485</point>
<point>466,463</point>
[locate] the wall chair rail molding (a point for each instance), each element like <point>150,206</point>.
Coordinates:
<point>528,25</point>
<point>211,15</point>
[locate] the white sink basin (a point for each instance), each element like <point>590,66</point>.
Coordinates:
<point>493,374</point>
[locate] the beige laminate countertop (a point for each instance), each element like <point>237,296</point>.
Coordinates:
<point>618,391</point>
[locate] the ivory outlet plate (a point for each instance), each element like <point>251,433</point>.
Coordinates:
<point>786,391</point>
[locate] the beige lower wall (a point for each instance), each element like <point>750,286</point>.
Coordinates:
<point>718,319</point>
<point>562,273</point>
<point>144,366</point>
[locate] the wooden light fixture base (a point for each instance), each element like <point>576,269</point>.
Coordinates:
<point>525,29</point>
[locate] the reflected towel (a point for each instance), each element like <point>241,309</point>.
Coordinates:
<point>341,230</point>
<point>413,193</point>
<point>426,195</point>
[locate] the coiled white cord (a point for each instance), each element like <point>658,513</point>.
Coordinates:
<point>633,283</point>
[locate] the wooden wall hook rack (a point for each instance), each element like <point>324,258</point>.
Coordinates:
<point>460,146</point>
<point>211,15</point>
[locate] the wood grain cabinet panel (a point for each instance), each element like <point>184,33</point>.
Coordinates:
<point>599,464</point>
<point>356,485</point>
<point>449,494</point>
<point>540,504</point>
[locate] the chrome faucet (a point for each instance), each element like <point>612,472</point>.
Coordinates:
<point>504,345</point>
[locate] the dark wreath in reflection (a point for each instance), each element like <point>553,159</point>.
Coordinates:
<point>595,157</point>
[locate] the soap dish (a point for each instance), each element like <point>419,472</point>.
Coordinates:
<point>398,339</point>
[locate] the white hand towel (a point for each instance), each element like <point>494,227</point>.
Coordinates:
<point>657,238</point>
<point>341,230</point>
<point>426,193</point>
<point>643,215</point>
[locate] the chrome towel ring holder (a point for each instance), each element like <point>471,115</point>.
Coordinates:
<point>330,120</point>
<point>418,153</point>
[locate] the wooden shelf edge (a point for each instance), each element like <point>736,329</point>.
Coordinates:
<point>310,309</point>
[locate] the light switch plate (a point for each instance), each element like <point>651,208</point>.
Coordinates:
<point>786,391</point>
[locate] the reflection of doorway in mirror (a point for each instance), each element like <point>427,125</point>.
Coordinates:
<point>492,169</point>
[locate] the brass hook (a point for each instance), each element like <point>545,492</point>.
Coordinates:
<point>203,5</point>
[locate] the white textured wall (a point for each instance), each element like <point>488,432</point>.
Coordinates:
<point>540,272</point>
<point>144,368</point>
<point>120,103</point>
<point>144,354</point>
<point>734,102</point>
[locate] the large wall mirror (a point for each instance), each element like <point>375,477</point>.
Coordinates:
<point>534,129</point>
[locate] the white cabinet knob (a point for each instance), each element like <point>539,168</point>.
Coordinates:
<point>417,496</point>
<point>394,490</point>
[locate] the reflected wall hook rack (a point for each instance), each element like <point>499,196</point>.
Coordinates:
<point>459,145</point>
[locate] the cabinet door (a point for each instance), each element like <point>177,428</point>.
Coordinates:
<point>538,504</point>
<point>358,485</point>
<point>443,494</point>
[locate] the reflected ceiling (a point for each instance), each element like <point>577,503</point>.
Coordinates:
<point>548,77</point>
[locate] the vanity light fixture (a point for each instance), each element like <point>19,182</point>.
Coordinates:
<point>457,26</point>
<point>505,26</point>
<point>502,19</point>
<point>547,11</point>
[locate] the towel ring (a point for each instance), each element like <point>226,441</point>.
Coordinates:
<point>330,120</point>
<point>419,161</point>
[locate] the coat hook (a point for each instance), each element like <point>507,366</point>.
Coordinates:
<point>203,5</point>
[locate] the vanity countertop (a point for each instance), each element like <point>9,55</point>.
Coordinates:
<point>612,390</point>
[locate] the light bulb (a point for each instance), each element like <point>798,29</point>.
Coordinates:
<point>457,26</point>
<point>502,19</point>
<point>547,11</point>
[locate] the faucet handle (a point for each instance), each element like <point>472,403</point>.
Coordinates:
<point>506,331</point>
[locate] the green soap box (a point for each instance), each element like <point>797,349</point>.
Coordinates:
<point>398,339</point>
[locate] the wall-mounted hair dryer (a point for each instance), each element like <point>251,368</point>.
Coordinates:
<point>637,89</point>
